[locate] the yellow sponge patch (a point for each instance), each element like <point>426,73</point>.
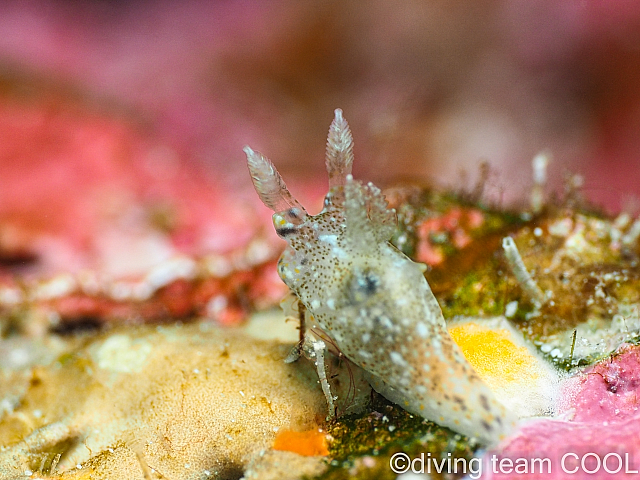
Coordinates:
<point>520,378</point>
<point>494,355</point>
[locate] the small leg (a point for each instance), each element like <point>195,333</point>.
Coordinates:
<point>302,310</point>
<point>296,351</point>
<point>319,349</point>
<point>17,456</point>
<point>314,350</point>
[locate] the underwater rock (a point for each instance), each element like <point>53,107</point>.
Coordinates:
<point>184,401</point>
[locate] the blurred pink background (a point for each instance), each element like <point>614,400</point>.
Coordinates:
<point>151,102</point>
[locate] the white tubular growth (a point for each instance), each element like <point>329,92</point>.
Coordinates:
<point>516,264</point>
<point>539,165</point>
<point>631,237</point>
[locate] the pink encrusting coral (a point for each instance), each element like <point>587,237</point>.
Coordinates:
<point>606,392</point>
<point>600,432</point>
<point>82,188</point>
<point>612,445</point>
<point>454,224</point>
<point>98,221</point>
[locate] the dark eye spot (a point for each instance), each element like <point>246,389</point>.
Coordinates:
<point>283,232</point>
<point>362,285</point>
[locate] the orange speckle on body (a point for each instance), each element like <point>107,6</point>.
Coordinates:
<point>309,443</point>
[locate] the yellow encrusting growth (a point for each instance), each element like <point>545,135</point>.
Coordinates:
<point>494,355</point>
<point>517,375</point>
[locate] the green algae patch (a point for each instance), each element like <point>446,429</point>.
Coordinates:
<point>460,241</point>
<point>363,445</point>
<point>434,226</point>
<point>586,266</point>
<point>584,263</point>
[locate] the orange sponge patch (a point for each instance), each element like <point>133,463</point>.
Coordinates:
<point>309,443</point>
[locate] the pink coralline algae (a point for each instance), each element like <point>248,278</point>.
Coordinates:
<point>99,223</point>
<point>607,392</point>
<point>601,433</point>
<point>454,224</point>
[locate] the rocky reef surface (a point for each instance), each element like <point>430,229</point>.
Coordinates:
<point>186,397</point>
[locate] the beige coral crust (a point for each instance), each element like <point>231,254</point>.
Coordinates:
<point>189,402</point>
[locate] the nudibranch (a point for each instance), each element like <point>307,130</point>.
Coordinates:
<point>372,301</point>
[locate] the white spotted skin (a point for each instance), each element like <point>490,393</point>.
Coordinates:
<point>380,295</point>
<point>377,307</point>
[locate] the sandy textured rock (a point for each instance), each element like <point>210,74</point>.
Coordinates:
<point>275,465</point>
<point>185,402</point>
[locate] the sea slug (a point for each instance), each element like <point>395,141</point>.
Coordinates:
<point>372,301</point>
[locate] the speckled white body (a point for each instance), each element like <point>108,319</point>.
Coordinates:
<point>374,302</point>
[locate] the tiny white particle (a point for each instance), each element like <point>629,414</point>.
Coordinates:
<point>331,303</point>
<point>330,239</point>
<point>537,232</point>
<point>422,330</point>
<point>28,473</point>
<point>366,337</point>
<point>397,359</point>
<point>79,467</point>
<point>315,304</point>
<point>241,393</point>
<point>510,309</point>
<point>556,353</point>
<point>426,367</point>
